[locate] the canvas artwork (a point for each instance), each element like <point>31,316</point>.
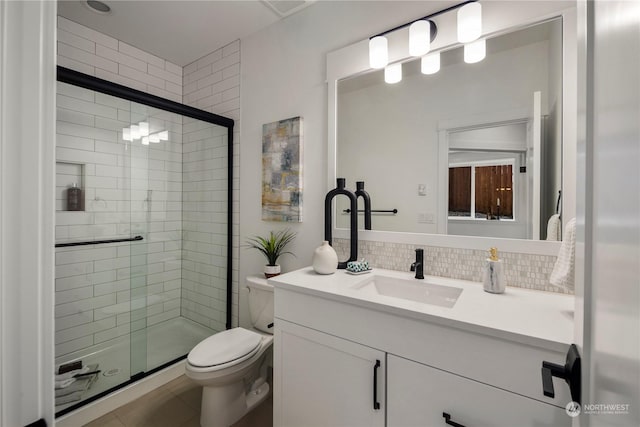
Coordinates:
<point>282,170</point>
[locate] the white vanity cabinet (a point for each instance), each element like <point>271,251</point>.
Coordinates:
<point>479,361</point>
<point>419,395</point>
<point>321,380</point>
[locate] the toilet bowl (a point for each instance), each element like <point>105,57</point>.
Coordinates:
<point>231,366</point>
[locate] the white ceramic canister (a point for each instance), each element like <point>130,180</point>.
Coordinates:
<point>325,259</point>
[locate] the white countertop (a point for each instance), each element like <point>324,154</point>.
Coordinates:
<point>532,317</point>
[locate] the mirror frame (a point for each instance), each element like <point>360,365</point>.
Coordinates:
<point>353,60</point>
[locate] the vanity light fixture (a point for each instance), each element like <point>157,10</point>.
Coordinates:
<point>393,73</point>
<point>469,22</point>
<point>430,64</point>
<point>475,51</point>
<point>378,52</point>
<point>419,38</point>
<point>421,33</point>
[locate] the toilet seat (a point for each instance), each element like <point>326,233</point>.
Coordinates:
<point>225,349</point>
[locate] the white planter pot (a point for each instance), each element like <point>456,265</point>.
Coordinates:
<point>271,270</point>
<point>325,259</point>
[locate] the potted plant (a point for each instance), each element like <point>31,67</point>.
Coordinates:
<point>272,247</point>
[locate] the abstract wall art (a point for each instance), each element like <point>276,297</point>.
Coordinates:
<point>282,170</point>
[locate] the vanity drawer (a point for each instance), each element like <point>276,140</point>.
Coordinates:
<point>418,395</point>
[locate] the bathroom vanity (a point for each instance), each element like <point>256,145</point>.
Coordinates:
<point>384,348</point>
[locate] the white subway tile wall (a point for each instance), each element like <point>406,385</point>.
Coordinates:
<point>521,270</point>
<point>212,83</point>
<point>90,52</point>
<point>106,291</point>
<point>204,260</point>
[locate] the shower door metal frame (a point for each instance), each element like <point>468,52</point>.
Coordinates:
<point>66,75</point>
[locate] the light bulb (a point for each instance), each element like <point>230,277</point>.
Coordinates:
<point>145,140</point>
<point>469,22</point>
<point>144,128</point>
<point>430,64</point>
<point>135,131</point>
<point>378,52</point>
<point>475,52</point>
<point>419,38</point>
<point>164,135</point>
<point>154,137</point>
<point>393,73</point>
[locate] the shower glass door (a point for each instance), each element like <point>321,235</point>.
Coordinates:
<point>157,182</point>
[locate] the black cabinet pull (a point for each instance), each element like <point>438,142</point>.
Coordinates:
<point>376,404</point>
<point>570,372</point>
<point>447,419</point>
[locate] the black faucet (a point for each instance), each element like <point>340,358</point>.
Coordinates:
<point>367,203</point>
<point>418,266</point>
<point>353,253</point>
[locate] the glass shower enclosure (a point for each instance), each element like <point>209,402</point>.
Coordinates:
<point>143,234</point>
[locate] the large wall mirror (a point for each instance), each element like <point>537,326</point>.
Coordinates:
<point>472,150</point>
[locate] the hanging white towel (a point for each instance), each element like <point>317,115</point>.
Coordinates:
<point>553,228</point>
<point>563,274</point>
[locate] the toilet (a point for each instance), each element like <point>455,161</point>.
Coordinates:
<point>231,366</point>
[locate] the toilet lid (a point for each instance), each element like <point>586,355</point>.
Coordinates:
<point>224,347</point>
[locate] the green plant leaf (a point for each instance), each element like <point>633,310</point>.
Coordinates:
<point>273,247</point>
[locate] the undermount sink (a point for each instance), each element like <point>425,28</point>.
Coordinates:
<point>411,290</point>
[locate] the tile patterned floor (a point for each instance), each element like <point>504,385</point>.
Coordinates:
<point>176,404</point>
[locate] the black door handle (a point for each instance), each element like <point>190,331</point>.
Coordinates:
<point>570,372</point>
<point>447,419</point>
<point>376,404</point>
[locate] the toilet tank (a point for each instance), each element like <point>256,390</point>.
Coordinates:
<point>260,303</point>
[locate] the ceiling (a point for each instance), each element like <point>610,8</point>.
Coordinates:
<point>180,31</point>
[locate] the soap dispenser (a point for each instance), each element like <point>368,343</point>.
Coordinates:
<point>493,278</point>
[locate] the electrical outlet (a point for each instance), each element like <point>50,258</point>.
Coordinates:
<point>422,190</point>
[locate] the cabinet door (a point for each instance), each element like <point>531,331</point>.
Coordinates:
<point>418,395</point>
<point>321,380</point>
